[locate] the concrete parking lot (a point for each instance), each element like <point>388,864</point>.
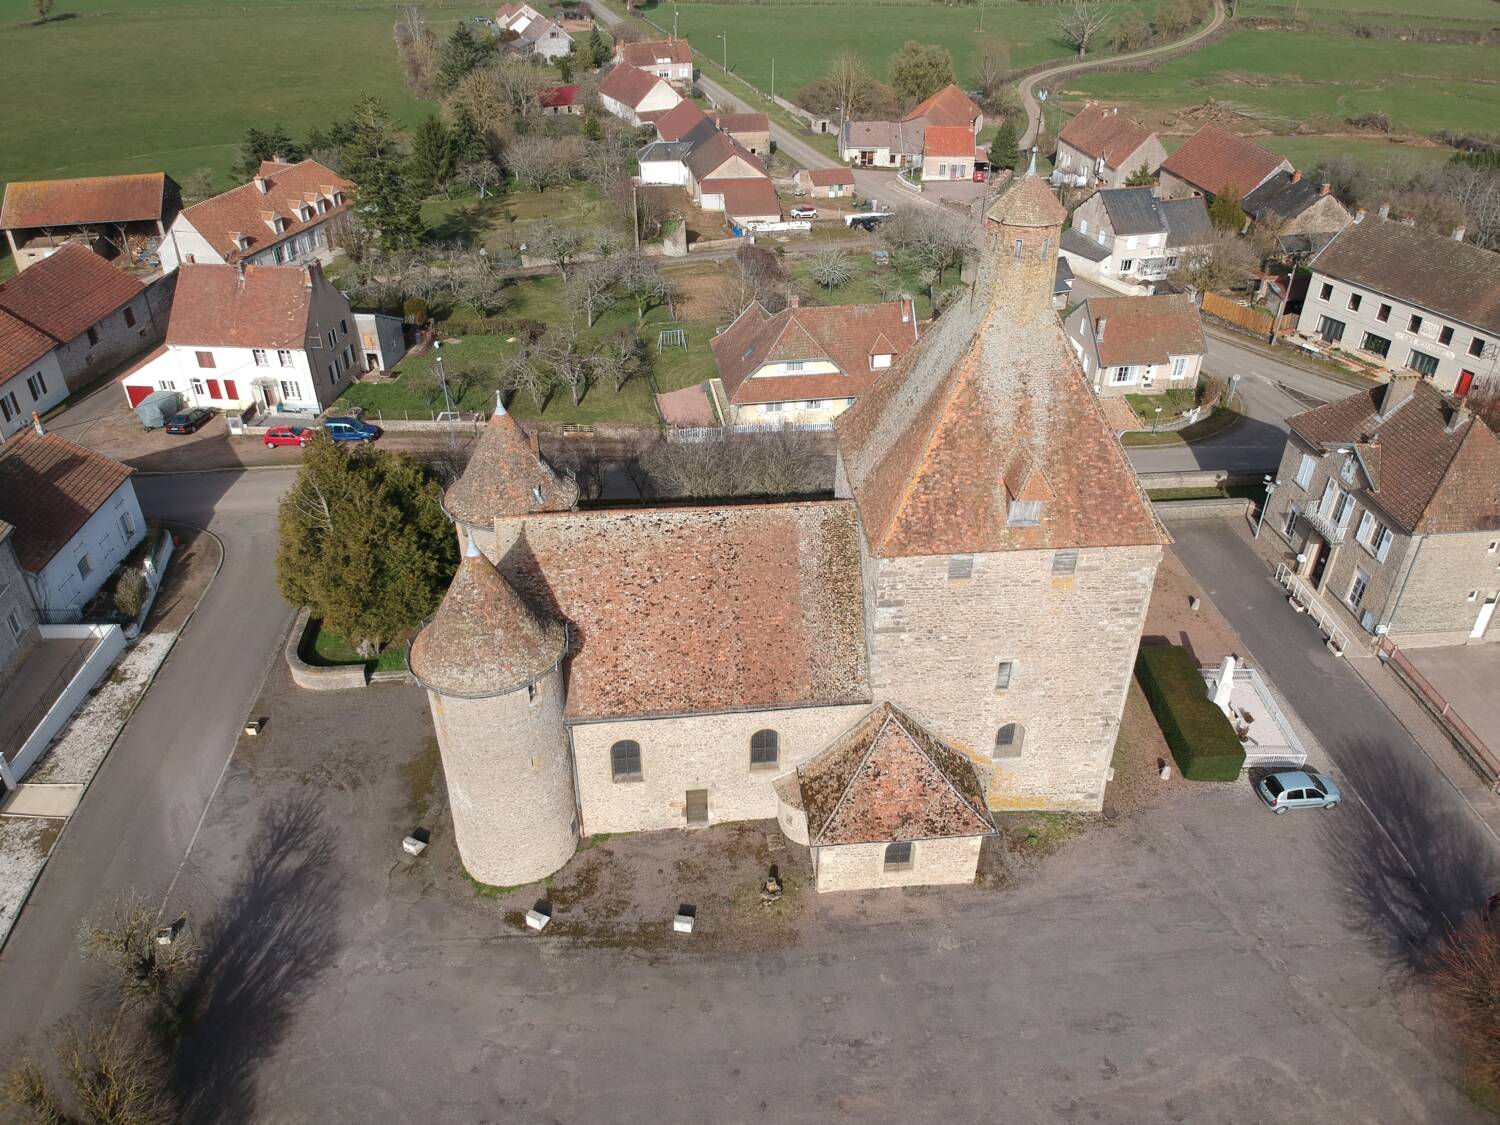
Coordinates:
<point>1197,961</point>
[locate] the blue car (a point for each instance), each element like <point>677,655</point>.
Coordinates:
<point>350,429</point>
<point>1298,789</point>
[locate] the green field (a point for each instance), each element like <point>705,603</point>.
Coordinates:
<point>171,85</point>
<point>1454,13</point>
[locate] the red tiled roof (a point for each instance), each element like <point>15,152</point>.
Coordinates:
<point>628,86</point>
<point>95,199</point>
<point>847,335</point>
<point>1101,131</point>
<point>266,307</point>
<point>682,610</point>
<point>746,198</point>
<point>503,478</point>
<point>828,177</point>
<point>683,119</point>
<point>949,106</point>
<point>712,153</point>
<point>244,209</point>
<point>557,97</point>
<point>1145,329</point>
<point>743,122</point>
<point>55,301</point>
<point>49,488</point>
<point>1429,479</point>
<point>889,778</point>
<point>648,52</point>
<point>1212,159</point>
<point>948,140</point>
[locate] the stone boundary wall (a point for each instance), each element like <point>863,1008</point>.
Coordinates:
<point>311,677</point>
<point>1201,509</point>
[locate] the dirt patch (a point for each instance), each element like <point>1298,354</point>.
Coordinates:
<point>1170,619</point>
<point>419,781</point>
<point>196,556</point>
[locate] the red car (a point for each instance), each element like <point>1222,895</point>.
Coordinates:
<point>286,435</point>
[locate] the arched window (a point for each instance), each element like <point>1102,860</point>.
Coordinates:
<point>625,760</point>
<point>1008,740</point>
<point>898,856</point>
<point>765,750</point>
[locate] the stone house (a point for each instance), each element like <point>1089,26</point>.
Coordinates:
<point>751,131</point>
<point>984,568</point>
<point>288,214</point>
<point>1131,236</point>
<point>636,96</point>
<point>531,34</point>
<point>881,144</point>
<point>1407,300</point>
<point>669,59</point>
<point>64,323</point>
<point>808,364</point>
<point>1296,206</point>
<point>107,214</point>
<point>1138,345</point>
<point>825,183</point>
<point>1099,148</point>
<point>1390,499</point>
<point>562,100</point>
<point>948,153</point>
<point>1213,159</point>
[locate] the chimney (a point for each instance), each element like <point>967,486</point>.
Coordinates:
<point>1099,329</point>
<point>794,302</point>
<point>1456,419</point>
<point>1359,216</point>
<point>1385,210</point>
<point>1459,232</point>
<point>906,309</point>
<point>36,424</point>
<point>307,277</point>
<point>1324,189</point>
<point>262,185</point>
<point>1400,388</point>
<point>1296,175</point>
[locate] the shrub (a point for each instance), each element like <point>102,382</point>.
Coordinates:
<point>1202,740</point>
<point>130,593</point>
<point>415,310</point>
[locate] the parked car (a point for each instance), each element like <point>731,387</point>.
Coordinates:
<point>804,211</point>
<point>286,435</point>
<point>188,420</point>
<point>867,221</point>
<point>350,429</point>
<point>980,175</point>
<point>1298,789</point>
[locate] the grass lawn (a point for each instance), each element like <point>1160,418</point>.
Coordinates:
<point>501,222</point>
<point>1173,402</point>
<point>1454,13</point>
<point>330,649</point>
<point>868,281</point>
<point>1255,492</point>
<point>1216,423</point>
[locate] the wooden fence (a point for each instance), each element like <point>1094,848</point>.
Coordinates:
<point>1463,736</point>
<point>1255,320</point>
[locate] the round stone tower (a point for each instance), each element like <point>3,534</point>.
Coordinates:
<point>492,670</point>
<point>1025,226</point>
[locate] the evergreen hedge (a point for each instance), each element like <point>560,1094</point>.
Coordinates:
<point>1201,737</point>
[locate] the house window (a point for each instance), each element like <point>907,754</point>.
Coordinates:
<point>15,625</point>
<point>93,335</point>
<point>877,362</point>
<point>1064,562</point>
<point>1331,330</point>
<point>127,525</point>
<point>1374,536</point>
<point>794,365</point>
<point>942,169</point>
<point>1289,528</point>
<point>1476,346</point>
<point>1127,265</point>
<point>898,856</point>
<point>765,750</point>
<point>9,407</point>
<point>1016,250</point>
<point>333,372</point>
<point>1414,324</point>
<point>1326,293</point>
<point>1346,470</point>
<point>1305,470</point>
<point>625,760</point>
<point>960,566</point>
<point>283,357</point>
<point>36,385</point>
<point>1357,588</point>
<point>1445,335</point>
<point>197,385</point>
<point>1120,376</point>
<point>1383,314</point>
<point>85,566</point>
<point>129,317</point>
<point>1422,363</point>
<point>1004,671</point>
<point>290,390</point>
<point>1024,513</point>
<point>1008,740</point>
<point>259,355</point>
<point>205,359</point>
<point>1179,367</point>
<point>1355,300</point>
<point>1376,345</point>
<point>1083,226</point>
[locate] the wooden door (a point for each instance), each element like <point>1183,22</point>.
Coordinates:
<point>697,806</point>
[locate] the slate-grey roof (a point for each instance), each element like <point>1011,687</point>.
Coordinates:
<point>1083,246</point>
<point>1133,210</point>
<point>1287,194</point>
<point>1062,279</point>
<point>665,151</point>
<point>1187,221</point>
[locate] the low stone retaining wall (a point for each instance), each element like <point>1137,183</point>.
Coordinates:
<point>311,676</point>
<point>1202,509</point>
<point>1197,478</point>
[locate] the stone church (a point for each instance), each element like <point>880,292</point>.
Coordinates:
<point>953,633</point>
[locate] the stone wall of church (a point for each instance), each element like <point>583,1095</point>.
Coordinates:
<point>861,867</point>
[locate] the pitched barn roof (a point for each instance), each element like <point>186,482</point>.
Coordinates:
<point>651,52</point>
<point>1287,194</point>
<point>506,476</point>
<point>1145,329</point>
<point>898,136</point>
<point>889,778</point>
<point>559,97</point>
<point>746,197</point>
<point>743,122</point>
<point>948,140</point>
<point>49,487</point>
<point>715,151</point>
<point>685,121</point>
<point>1187,221</point>
<point>949,106</point>
<point>94,199</point>
<point>263,307</point>
<point>828,177</point>
<point>1098,130</point>
<point>246,210</point>
<point>1213,158</point>
<point>628,85</point>
<point>55,301</point>
<point>1133,210</point>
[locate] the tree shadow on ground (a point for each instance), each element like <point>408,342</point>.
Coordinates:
<point>278,930</point>
<point>1412,867</point>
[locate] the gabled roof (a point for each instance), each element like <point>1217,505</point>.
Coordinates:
<point>559,97</point>
<point>1187,221</point>
<point>244,210</point>
<point>1287,194</point>
<point>629,86</point>
<point>651,52</point>
<point>949,106</point>
<point>263,307</point>
<point>948,140</point>
<point>715,151</point>
<point>1145,329</point>
<point>1098,130</point>
<point>55,301</point>
<point>746,197</point>
<point>828,177</point>
<point>49,487</point>
<point>1456,279</point>
<point>889,778</point>
<point>846,335</point>
<point>928,449</point>
<point>1133,210</point>
<point>743,122</point>
<point>1435,470</point>
<point>898,136</point>
<point>1213,158</point>
<point>664,152</point>
<point>506,476</point>
<point>1085,246</point>
<point>684,122</point>
<point>94,199</point>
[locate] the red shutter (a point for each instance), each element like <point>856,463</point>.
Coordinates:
<point>137,395</point>
<point>230,392</point>
<point>213,389</point>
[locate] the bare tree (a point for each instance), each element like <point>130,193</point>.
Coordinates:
<point>993,66</point>
<point>557,243</point>
<point>642,282</point>
<point>929,239</point>
<point>520,85</point>
<point>1081,24</point>
<point>617,359</point>
<point>523,372</point>
<point>784,462</point>
<point>481,175</point>
<point>42,8</point>
<point>850,82</point>
<point>582,461</point>
<point>417,48</point>
<point>530,161</point>
<point>1224,261</point>
<point>114,1075</point>
<point>570,366</point>
<point>591,289</point>
<point>147,972</point>
<point>756,275</point>
<point>831,267</point>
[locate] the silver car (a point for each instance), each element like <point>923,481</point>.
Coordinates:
<point>1298,789</point>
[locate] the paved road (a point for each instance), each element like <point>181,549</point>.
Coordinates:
<point>1027,86</point>
<point>144,805</point>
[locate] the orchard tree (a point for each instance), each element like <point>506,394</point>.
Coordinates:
<point>1081,24</point>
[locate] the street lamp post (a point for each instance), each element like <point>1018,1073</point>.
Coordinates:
<point>1156,421</point>
<point>724,35</point>
<point>1041,114</point>
<point>1271,486</point>
<point>437,353</point>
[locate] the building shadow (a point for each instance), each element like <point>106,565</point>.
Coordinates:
<point>277,932</point>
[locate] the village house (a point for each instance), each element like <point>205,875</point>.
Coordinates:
<point>664,163</point>
<point>881,144</point>
<point>577,672</point>
<point>530,33</point>
<point>669,59</point>
<point>1407,300</point>
<point>275,338</point>
<point>1130,236</point>
<point>75,515</point>
<point>750,130</point>
<point>825,183</point>
<point>635,96</point>
<point>287,214</point>
<point>808,364</point>
<point>948,153</point>
<point>1138,345</point>
<point>1099,148</point>
<point>1390,500</point>
<point>685,121</point>
<point>949,108</point>
<point>723,176</point>
<point>559,100</point>
<point>64,323</point>
<point>1296,206</point>
<point>1213,159</point>
<point>111,215</point>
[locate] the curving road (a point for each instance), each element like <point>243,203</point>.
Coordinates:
<point>1027,86</point>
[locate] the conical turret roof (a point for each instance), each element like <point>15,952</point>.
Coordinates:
<point>484,640</point>
<point>506,477</point>
<point>1028,202</point>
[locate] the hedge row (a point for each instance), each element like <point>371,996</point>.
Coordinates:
<point>1200,735</point>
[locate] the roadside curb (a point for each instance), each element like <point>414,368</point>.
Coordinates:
<point>204,472</point>
<point>1284,355</point>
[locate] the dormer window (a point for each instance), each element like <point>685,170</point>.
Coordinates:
<point>241,242</point>
<point>338,199</point>
<point>304,212</point>
<point>1024,513</point>
<point>323,205</point>
<point>276,223</point>
<point>1347,470</point>
<point>536,495</point>
<point>881,360</point>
